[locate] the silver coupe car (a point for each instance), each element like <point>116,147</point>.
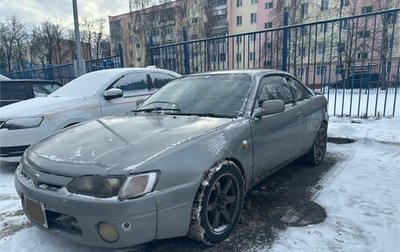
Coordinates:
<point>180,164</point>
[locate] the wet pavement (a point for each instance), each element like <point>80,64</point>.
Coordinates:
<point>283,200</point>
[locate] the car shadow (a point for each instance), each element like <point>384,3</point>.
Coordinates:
<point>282,200</point>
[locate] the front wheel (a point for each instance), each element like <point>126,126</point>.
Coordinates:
<point>317,152</point>
<point>219,205</point>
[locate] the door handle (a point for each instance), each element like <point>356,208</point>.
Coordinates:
<point>299,115</point>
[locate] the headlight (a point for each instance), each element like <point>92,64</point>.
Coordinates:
<point>138,185</point>
<point>96,186</point>
<point>22,123</point>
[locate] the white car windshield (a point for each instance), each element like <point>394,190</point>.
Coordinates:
<point>85,85</point>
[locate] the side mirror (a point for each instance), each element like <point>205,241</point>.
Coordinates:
<point>112,93</point>
<point>270,107</point>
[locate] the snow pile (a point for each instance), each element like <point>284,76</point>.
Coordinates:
<point>360,195</point>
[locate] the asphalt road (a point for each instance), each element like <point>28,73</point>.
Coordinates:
<point>282,200</point>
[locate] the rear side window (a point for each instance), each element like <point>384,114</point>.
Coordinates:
<point>275,88</point>
<point>300,93</point>
<point>12,91</point>
<point>160,79</point>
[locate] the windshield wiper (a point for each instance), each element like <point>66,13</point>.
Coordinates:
<point>205,114</point>
<point>155,109</point>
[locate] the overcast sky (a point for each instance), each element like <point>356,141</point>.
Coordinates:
<point>35,11</point>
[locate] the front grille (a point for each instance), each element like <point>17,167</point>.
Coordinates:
<point>14,151</point>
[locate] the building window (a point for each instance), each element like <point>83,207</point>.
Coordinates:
<point>344,3</point>
<point>137,45</point>
<point>321,48</point>
<point>269,5</point>
<point>238,57</point>
<point>222,56</point>
<point>239,39</point>
<point>268,45</point>
<point>253,1</point>
<point>239,3</point>
<point>253,18</point>
<point>366,9</point>
<point>268,63</point>
<point>239,20</point>
<point>362,55</point>
<point>304,9</point>
<point>252,56</point>
<point>268,25</point>
<point>320,70</point>
<point>324,5</point>
<point>139,59</point>
<point>364,34</point>
<point>252,37</point>
<point>195,20</point>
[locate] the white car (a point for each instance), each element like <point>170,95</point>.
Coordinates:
<point>90,96</point>
<point>3,78</point>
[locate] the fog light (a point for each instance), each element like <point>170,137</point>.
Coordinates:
<point>108,232</point>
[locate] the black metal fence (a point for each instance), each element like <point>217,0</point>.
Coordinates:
<point>353,60</point>
<point>65,73</point>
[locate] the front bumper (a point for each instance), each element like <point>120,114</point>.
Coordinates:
<point>82,215</point>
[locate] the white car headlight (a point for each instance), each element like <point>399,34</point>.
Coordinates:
<point>22,123</point>
<point>138,185</point>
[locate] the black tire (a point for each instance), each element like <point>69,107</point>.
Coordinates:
<point>221,204</point>
<point>317,152</point>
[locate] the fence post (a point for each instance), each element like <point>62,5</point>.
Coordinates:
<point>121,54</point>
<point>285,40</point>
<point>186,53</point>
<point>151,51</point>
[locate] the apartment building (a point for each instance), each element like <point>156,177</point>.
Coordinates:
<point>165,24</point>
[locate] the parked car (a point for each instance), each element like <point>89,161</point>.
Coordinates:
<point>2,77</point>
<point>359,80</point>
<point>178,165</point>
<point>92,95</point>
<point>12,91</point>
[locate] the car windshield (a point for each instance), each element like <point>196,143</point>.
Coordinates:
<point>223,95</point>
<point>85,85</point>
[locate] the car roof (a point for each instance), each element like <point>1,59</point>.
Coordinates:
<point>29,80</point>
<point>115,71</point>
<point>252,72</point>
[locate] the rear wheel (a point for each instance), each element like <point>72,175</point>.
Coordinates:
<point>317,152</point>
<point>220,206</point>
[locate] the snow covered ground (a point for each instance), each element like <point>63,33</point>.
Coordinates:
<point>360,195</point>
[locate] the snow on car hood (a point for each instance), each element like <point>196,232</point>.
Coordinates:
<point>39,106</point>
<point>117,144</point>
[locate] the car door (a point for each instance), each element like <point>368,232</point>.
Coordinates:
<point>134,86</point>
<point>308,105</point>
<point>276,136</point>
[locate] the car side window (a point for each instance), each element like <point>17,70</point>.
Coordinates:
<point>43,89</point>
<point>160,79</point>
<point>300,93</point>
<point>12,91</point>
<point>275,88</point>
<point>132,83</point>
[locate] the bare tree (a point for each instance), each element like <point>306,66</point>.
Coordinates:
<point>13,36</point>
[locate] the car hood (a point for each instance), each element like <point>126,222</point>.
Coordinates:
<point>38,106</point>
<point>117,144</point>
